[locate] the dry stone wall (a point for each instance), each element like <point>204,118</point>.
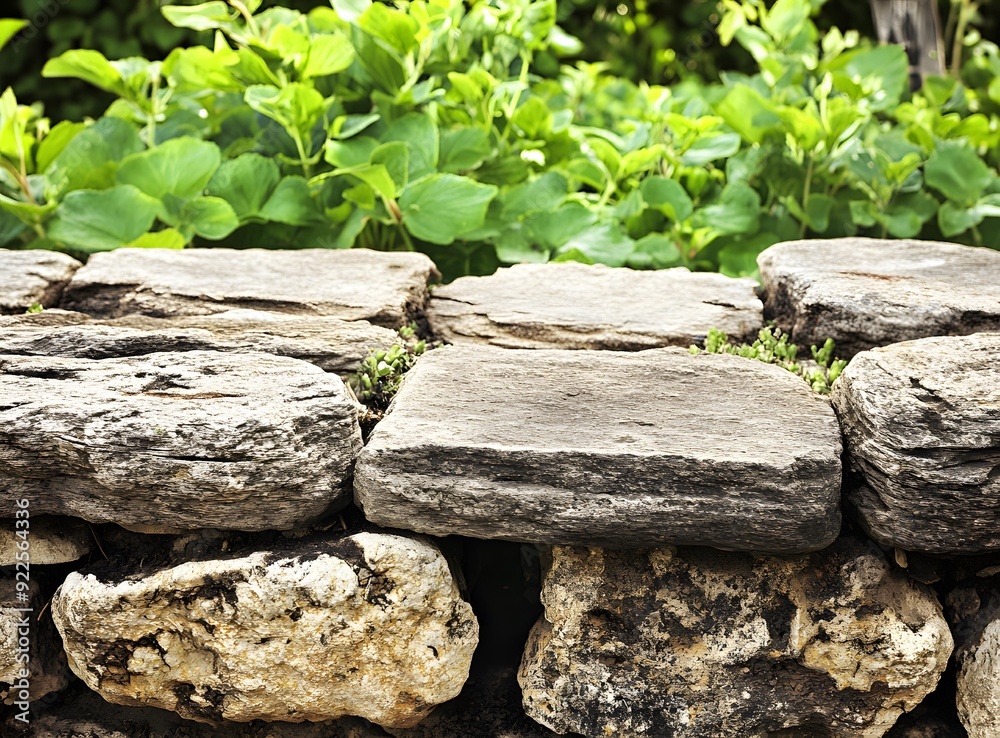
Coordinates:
<point>199,541</point>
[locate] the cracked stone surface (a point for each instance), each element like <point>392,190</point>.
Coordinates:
<point>46,662</point>
<point>921,421</point>
<point>865,292</point>
<point>182,440</point>
<point>975,613</point>
<point>697,643</point>
<point>334,345</point>
<point>605,448</point>
<point>29,277</point>
<point>578,306</point>
<point>370,625</point>
<point>52,540</point>
<point>387,289</point>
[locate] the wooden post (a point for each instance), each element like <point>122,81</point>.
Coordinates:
<point>916,26</point>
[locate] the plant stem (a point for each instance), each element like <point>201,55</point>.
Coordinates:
<point>806,191</point>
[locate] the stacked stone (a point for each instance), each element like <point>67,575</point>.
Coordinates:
<point>696,579</point>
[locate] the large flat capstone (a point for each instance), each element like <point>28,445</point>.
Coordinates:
<point>606,448</point>
<point>33,277</point>
<point>865,292</point>
<point>578,306</point>
<point>182,440</point>
<point>333,344</point>
<point>370,625</point>
<point>921,421</point>
<point>387,289</point>
<point>696,643</point>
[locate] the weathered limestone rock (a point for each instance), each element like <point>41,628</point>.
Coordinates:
<point>29,277</point>
<point>387,289</point>
<point>51,540</point>
<point>370,625</point>
<point>699,643</point>
<point>48,318</point>
<point>921,420</point>
<point>977,632</point>
<point>865,292</point>
<point>28,643</point>
<point>576,306</point>
<point>605,448</point>
<point>334,345</point>
<point>184,440</point>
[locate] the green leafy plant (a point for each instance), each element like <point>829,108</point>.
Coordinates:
<point>382,371</point>
<point>442,127</point>
<point>772,347</point>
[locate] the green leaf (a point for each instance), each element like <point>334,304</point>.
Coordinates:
<point>8,28</point>
<point>328,54</point>
<point>464,149</point>
<point>168,238</point>
<point>90,159</point>
<point>709,148</point>
<point>208,217</point>
<point>544,193</point>
<point>604,243</point>
<point>350,10</point>
<point>100,221</point>
<point>955,170</point>
<point>393,27</point>
<point>90,66</point>
<point>395,157</point>
<point>736,212</point>
<point>55,142</point>
<point>296,106</point>
<point>292,203</point>
<point>378,178</point>
<point>655,251</point>
<point>245,183</point>
<point>204,17</point>
<point>418,132</point>
<point>181,167</point>
<point>27,212</point>
<point>882,70</point>
<point>350,153</point>
<point>575,255</point>
<point>533,118</point>
<point>749,113</point>
<point>383,66</point>
<point>345,126</point>
<point>668,196</point>
<point>10,227</point>
<point>553,228</point>
<point>441,207</point>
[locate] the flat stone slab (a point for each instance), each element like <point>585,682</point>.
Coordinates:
<point>605,449</point>
<point>577,306</point>
<point>864,292</point>
<point>696,643</point>
<point>334,345</point>
<point>183,440</point>
<point>921,421</point>
<point>30,277</point>
<point>371,625</point>
<point>385,288</point>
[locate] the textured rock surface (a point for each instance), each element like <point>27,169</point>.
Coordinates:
<point>48,318</point>
<point>370,625</point>
<point>29,277</point>
<point>184,440</point>
<point>977,633</point>
<point>334,345</point>
<point>353,284</point>
<point>867,292</point>
<point>921,420</point>
<point>46,662</point>
<point>576,306</point>
<point>51,540</point>
<point>701,643</point>
<point>605,448</point>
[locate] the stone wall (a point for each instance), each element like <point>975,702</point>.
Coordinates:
<point>566,523</point>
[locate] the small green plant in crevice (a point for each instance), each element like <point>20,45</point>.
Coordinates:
<point>381,373</point>
<point>772,347</point>
<point>33,308</point>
